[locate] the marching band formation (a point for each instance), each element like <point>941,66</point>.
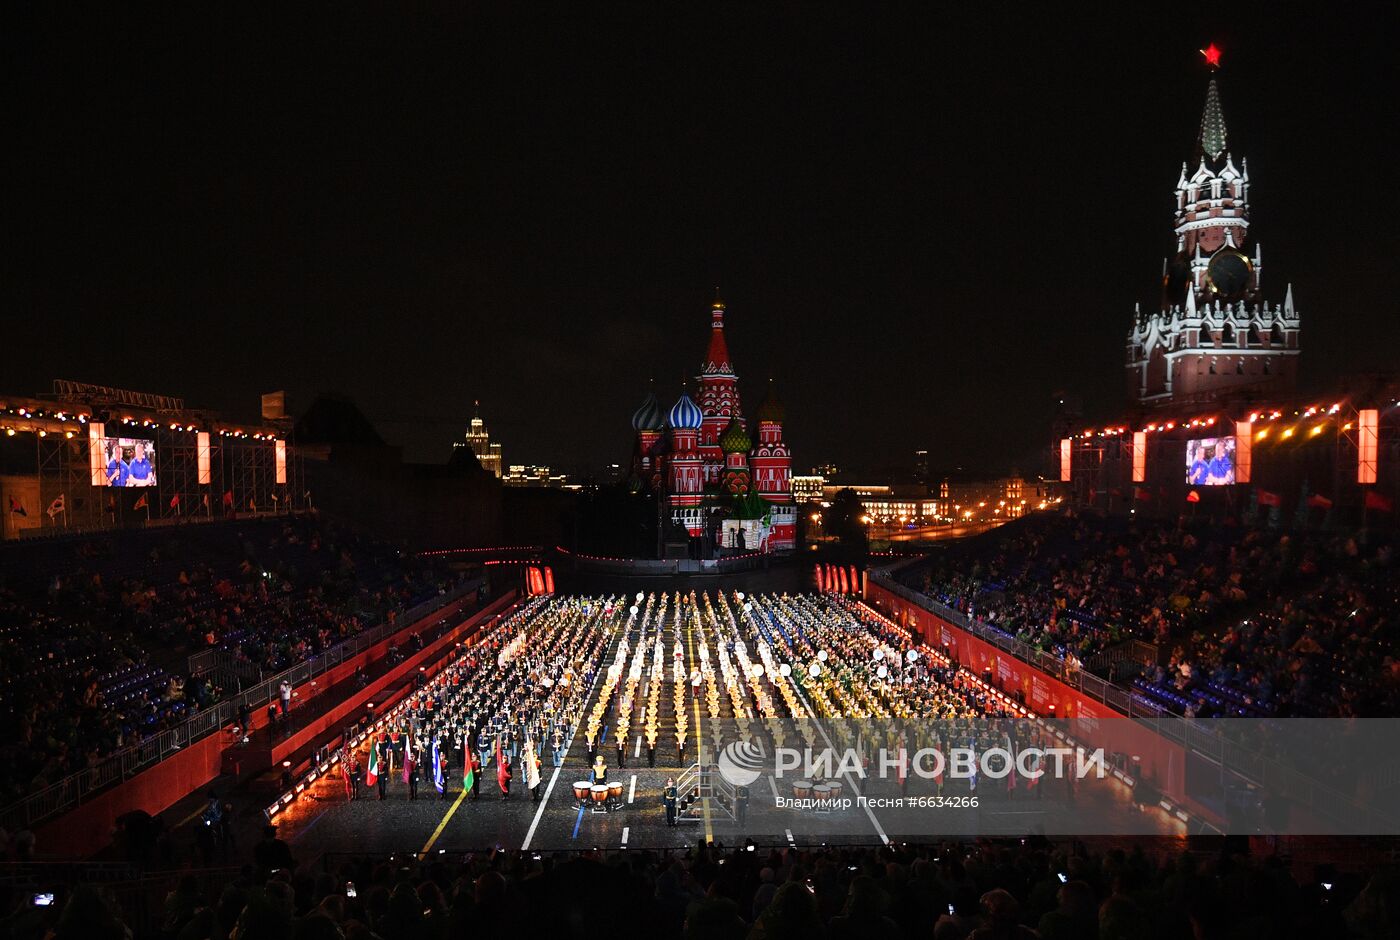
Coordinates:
<point>678,674</point>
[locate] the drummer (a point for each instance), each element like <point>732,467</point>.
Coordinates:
<point>600,770</point>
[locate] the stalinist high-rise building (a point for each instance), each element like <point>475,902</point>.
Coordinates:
<point>488,452</point>
<point>1215,335</point>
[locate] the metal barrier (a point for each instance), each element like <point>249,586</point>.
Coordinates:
<point>1245,763</point>
<point>126,763</point>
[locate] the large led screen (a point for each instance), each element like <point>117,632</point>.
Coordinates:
<point>1210,461</point>
<point>127,461</point>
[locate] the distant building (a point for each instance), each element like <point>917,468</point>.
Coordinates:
<point>807,489</point>
<point>488,452</point>
<point>954,501</point>
<point>533,475</point>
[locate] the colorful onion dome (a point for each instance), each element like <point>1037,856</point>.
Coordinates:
<point>685,414</point>
<point>648,417</point>
<point>734,440</point>
<point>771,409</point>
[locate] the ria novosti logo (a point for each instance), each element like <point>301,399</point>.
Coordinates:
<point>741,763</point>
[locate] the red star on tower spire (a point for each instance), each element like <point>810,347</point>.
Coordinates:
<point>1212,55</point>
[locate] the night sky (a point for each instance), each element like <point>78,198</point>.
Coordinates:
<point>923,227</point>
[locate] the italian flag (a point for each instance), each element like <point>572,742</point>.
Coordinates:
<point>372,768</point>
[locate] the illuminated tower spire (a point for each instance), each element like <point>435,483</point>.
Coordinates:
<point>1212,141</point>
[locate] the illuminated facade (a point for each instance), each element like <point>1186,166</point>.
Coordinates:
<point>533,475</point>
<point>807,489</point>
<point>703,455</point>
<point>488,453</point>
<point>1214,335</point>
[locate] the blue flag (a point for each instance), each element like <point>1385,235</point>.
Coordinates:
<point>437,767</point>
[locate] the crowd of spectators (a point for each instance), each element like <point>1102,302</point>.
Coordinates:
<point>96,632</point>
<point>1250,621</point>
<point>983,891</point>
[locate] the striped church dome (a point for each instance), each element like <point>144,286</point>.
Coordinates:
<point>685,414</point>
<point>648,417</point>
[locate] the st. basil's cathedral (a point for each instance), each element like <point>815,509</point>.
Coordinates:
<point>701,459</point>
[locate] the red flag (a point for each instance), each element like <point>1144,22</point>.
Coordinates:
<point>1193,497</point>
<point>175,501</point>
<point>228,498</point>
<point>1142,494</point>
<point>1269,499</point>
<point>1378,502</point>
<point>502,771</point>
<point>141,503</point>
<point>821,582</point>
<point>1320,501</point>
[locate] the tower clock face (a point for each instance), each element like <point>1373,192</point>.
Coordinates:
<point>1228,274</point>
<point>1212,239</point>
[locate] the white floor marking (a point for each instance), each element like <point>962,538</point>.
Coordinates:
<point>632,790</point>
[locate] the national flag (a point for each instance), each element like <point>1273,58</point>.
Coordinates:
<point>502,771</point>
<point>468,774</point>
<point>1378,502</point>
<point>407,761</point>
<point>1033,778</point>
<point>141,503</point>
<point>17,507</point>
<point>1319,501</point>
<point>532,770</point>
<point>1193,497</point>
<point>372,768</point>
<point>437,767</point>
<point>57,506</point>
<point>1269,499</point>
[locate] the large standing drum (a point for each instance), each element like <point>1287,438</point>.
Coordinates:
<point>600,793</point>
<point>821,791</point>
<point>802,789</point>
<point>615,791</point>
<point>835,789</point>
<point>581,790</point>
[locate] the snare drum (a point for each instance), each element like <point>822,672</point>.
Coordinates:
<point>581,790</point>
<point>600,792</point>
<point>802,789</point>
